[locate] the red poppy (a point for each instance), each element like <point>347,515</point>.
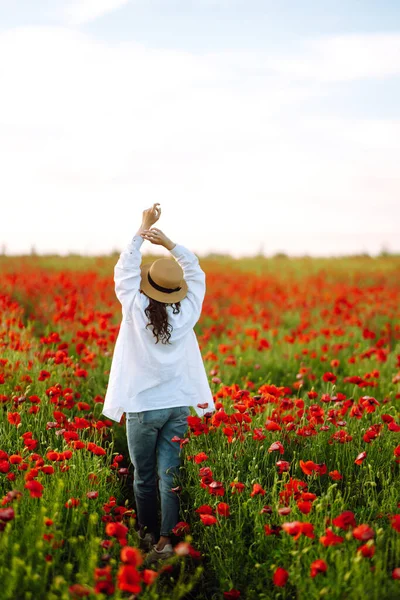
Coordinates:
<point>331,377</point>
<point>14,418</point>
<point>272,426</point>
<point>131,556</point>
<point>330,538</point>
<point>216,488</point>
<point>231,594</point>
<point>200,457</point>
<point>223,509</point>
<point>35,488</point>
<point>345,520</point>
<point>363,533</point>
<point>129,579</point>
<point>184,549</point>
<point>276,446</point>
<point>238,486</point>
<point>257,489</point>
<point>283,466</point>
<point>366,550</point>
<point>304,507</point>
<point>208,519</point>
<point>360,458</point>
<point>318,566</point>
<point>205,509</point>
<point>297,528</point>
<point>149,576</point>
<point>280,577</point>
<point>395,523</point>
<point>396,573</point>
<point>181,528</point>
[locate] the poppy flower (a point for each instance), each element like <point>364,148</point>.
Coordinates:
<point>297,528</point>
<point>308,467</point>
<point>238,486</point>
<point>280,577</point>
<point>318,566</point>
<point>223,509</point>
<point>363,533</point>
<point>129,579</point>
<point>369,403</point>
<point>149,576</point>
<point>205,509</point>
<point>283,466</point>
<point>200,457</point>
<point>231,594</point>
<point>266,510</point>
<point>366,550</point>
<point>7,514</point>
<point>258,434</point>
<point>208,519</point>
<point>272,529</point>
<point>276,446</point>
<point>396,573</point>
<point>181,528</point>
<point>272,426</point>
<point>131,556</point>
<point>330,538</point>
<point>205,472</point>
<point>257,489</point>
<point>395,523</point>
<point>360,458</point>
<point>216,488</point>
<point>304,507</point>
<point>394,427</point>
<point>14,418</point>
<point>345,520</point>
<point>35,488</point>
<point>329,377</point>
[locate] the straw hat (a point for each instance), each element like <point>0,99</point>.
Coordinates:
<point>163,280</point>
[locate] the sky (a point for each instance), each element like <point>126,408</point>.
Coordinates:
<point>259,126</point>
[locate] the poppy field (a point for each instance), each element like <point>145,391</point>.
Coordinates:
<point>290,489</point>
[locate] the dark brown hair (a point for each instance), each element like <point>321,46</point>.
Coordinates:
<point>157,314</point>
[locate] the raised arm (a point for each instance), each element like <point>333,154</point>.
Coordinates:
<point>127,274</point>
<point>194,277</point>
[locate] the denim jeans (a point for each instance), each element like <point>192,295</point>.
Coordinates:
<point>149,435</point>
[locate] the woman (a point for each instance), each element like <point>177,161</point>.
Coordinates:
<point>157,372</point>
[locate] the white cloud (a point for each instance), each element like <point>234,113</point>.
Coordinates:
<point>344,58</point>
<point>77,12</point>
<point>91,134</point>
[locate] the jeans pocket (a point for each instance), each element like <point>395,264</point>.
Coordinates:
<point>131,416</point>
<point>184,410</point>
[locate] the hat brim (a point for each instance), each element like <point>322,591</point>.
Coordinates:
<point>148,289</point>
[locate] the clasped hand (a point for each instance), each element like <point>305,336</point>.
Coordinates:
<point>155,236</point>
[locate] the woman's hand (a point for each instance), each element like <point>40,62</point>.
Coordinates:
<point>156,236</point>
<point>151,216</point>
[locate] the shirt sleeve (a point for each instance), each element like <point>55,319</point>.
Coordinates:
<point>195,279</point>
<point>127,274</point>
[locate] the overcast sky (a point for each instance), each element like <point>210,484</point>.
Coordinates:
<point>257,124</point>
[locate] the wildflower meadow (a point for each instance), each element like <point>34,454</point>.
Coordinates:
<point>289,490</point>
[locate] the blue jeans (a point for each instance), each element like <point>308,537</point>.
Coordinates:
<point>149,435</point>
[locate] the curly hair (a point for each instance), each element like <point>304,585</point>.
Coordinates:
<point>157,314</point>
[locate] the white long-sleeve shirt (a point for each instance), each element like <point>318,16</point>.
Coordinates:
<point>145,375</point>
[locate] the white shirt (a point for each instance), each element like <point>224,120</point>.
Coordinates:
<point>145,375</point>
